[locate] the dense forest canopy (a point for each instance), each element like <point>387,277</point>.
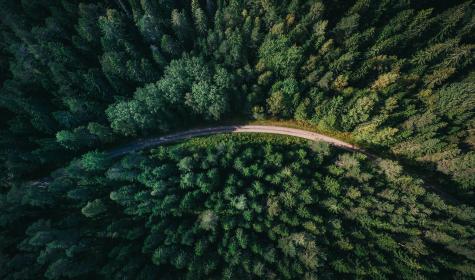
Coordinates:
<point>231,207</point>
<point>78,77</point>
<point>81,75</point>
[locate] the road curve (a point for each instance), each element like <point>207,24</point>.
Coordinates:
<point>170,138</point>
<point>137,145</point>
<point>313,136</point>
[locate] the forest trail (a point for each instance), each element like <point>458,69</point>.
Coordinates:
<point>269,129</point>
<point>313,136</point>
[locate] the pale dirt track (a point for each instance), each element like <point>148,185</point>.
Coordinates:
<point>313,136</point>
<point>309,135</point>
<point>141,144</point>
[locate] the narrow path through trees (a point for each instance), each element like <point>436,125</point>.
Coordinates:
<point>141,144</point>
<point>313,136</point>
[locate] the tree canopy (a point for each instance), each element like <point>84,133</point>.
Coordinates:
<point>235,207</point>
<point>79,77</point>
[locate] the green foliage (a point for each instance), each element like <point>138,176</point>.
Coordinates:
<point>456,102</point>
<point>93,208</point>
<point>143,67</point>
<point>79,76</point>
<point>280,57</point>
<point>284,98</point>
<point>74,140</point>
<point>199,17</point>
<point>95,161</point>
<point>192,210</point>
<point>188,83</point>
<point>130,118</point>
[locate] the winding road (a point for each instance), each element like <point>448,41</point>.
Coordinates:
<point>313,136</point>
<point>141,144</point>
<point>300,133</point>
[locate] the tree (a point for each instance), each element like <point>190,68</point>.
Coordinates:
<point>390,168</point>
<point>122,61</point>
<point>346,26</point>
<point>208,220</point>
<point>77,139</point>
<point>181,26</point>
<point>87,27</point>
<point>284,98</point>
<point>95,161</point>
<point>206,98</point>
<point>102,132</point>
<point>129,118</point>
<point>455,101</point>
<point>93,208</point>
<point>358,111</point>
<point>199,17</point>
<point>392,76</point>
<point>280,57</point>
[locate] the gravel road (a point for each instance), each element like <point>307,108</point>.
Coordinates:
<point>141,144</point>
<point>150,142</point>
<point>313,136</point>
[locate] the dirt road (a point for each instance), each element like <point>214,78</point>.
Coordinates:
<point>150,142</point>
<point>313,136</point>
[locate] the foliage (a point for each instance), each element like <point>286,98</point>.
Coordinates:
<point>135,68</point>
<point>238,207</point>
<point>78,77</point>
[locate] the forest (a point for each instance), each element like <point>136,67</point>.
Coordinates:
<point>80,77</point>
<point>229,207</point>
